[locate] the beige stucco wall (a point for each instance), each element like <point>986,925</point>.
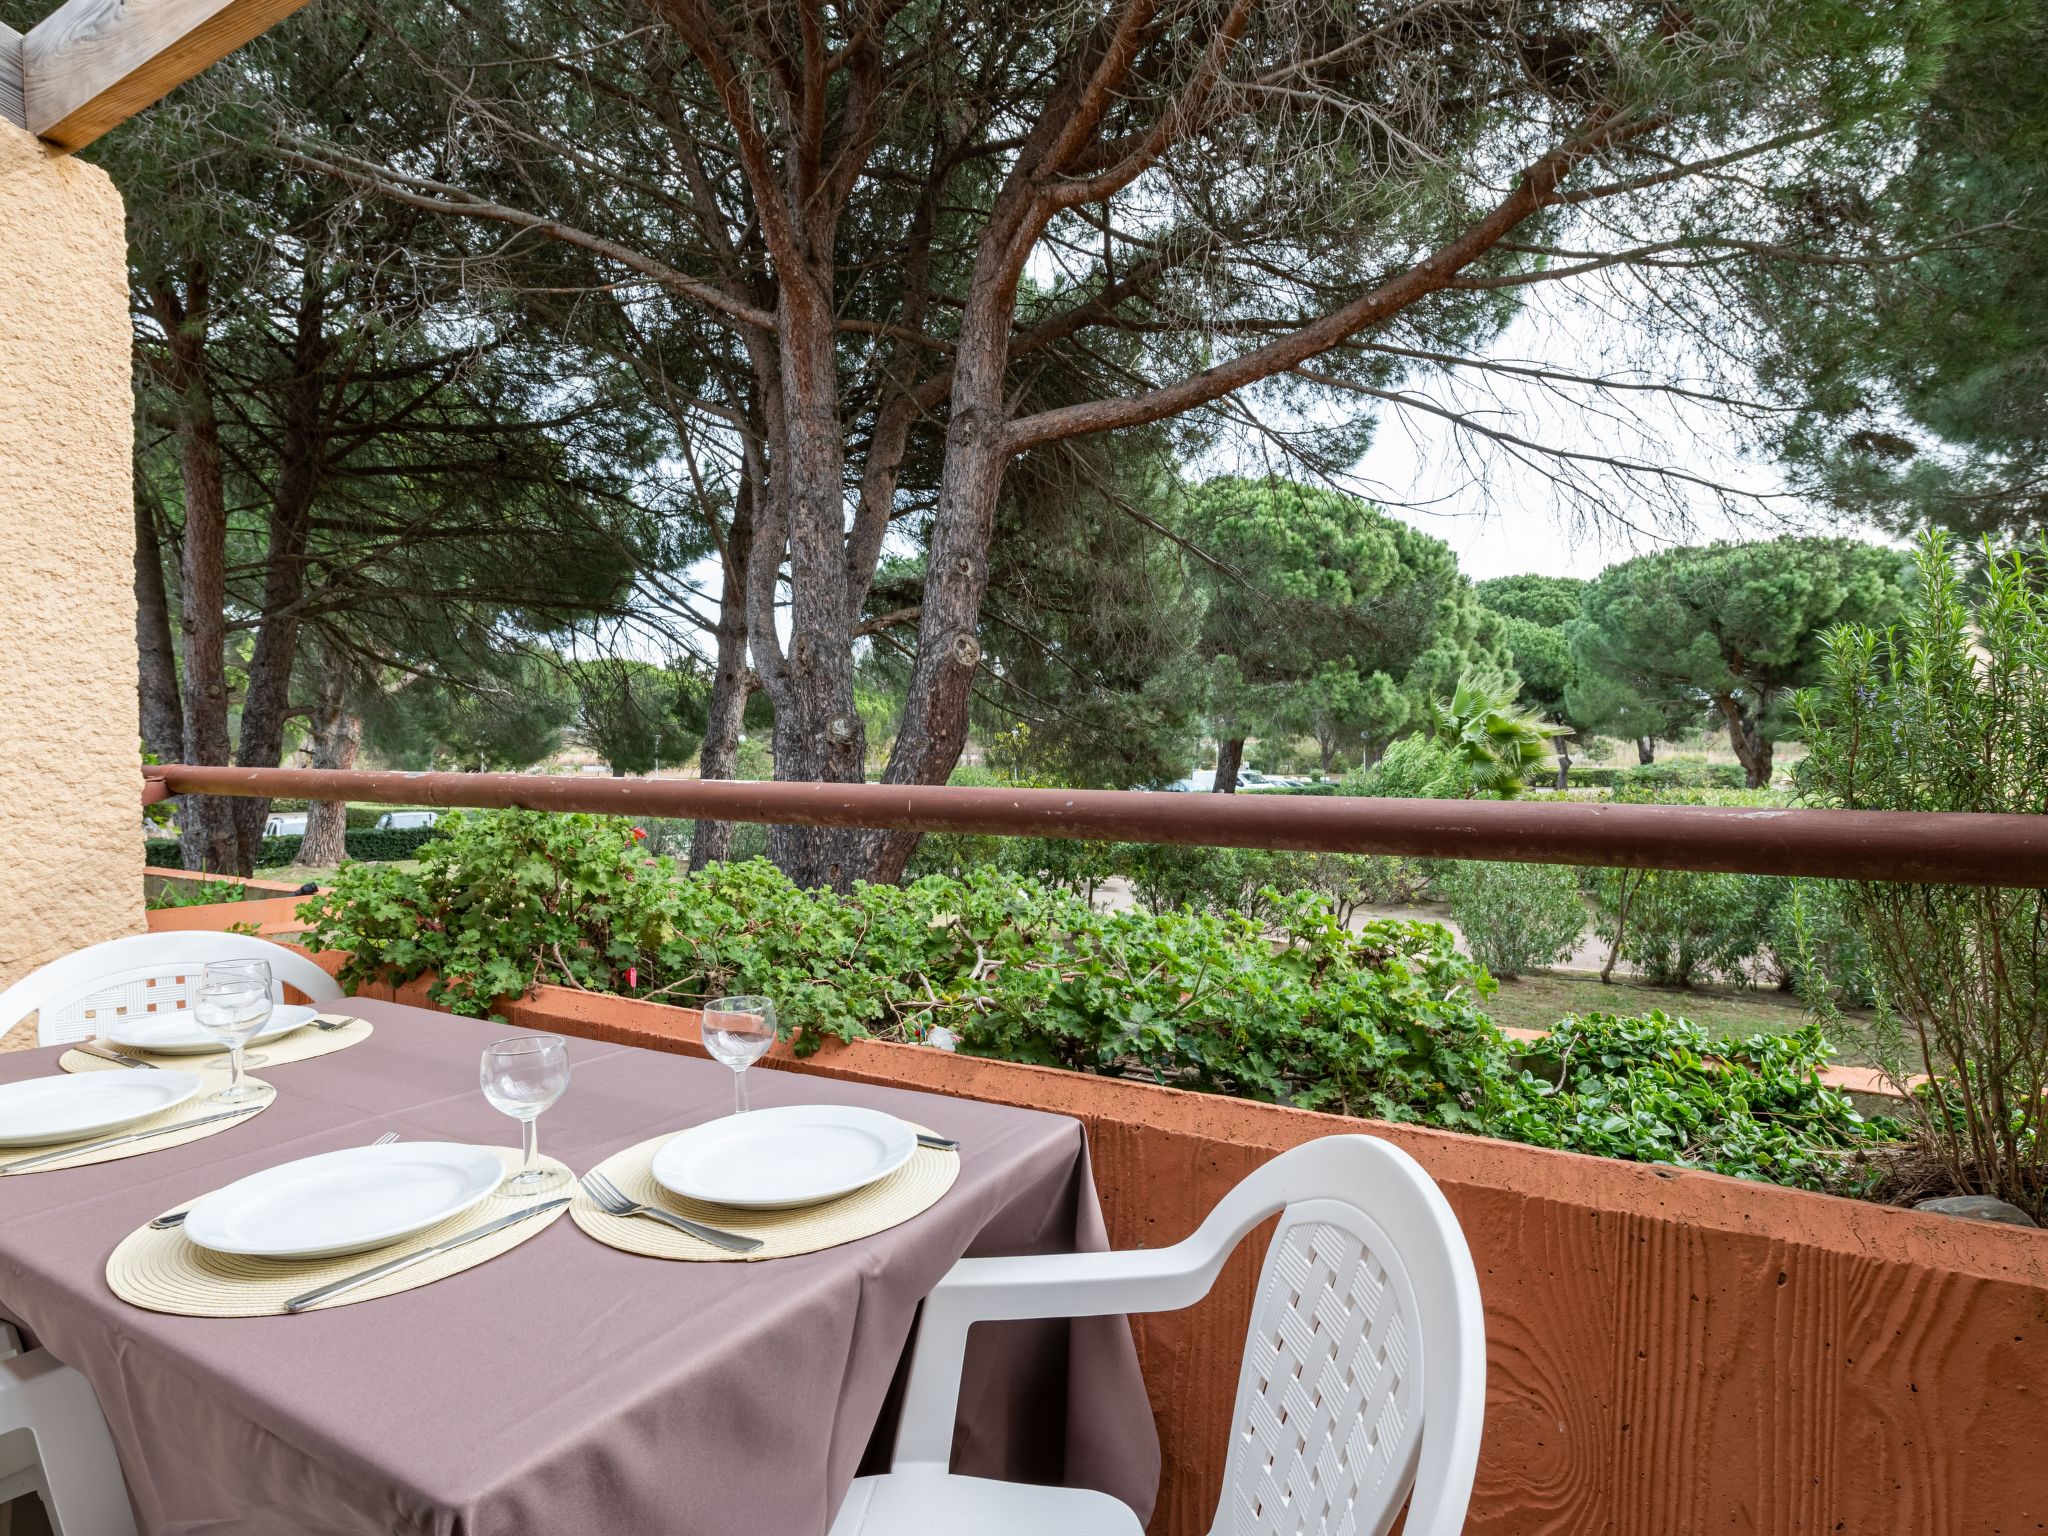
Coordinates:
<point>70,840</point>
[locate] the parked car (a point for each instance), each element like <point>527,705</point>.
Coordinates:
<point>285,824</point>
<point>406,821</point>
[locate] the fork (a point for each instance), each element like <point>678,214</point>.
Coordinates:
<point>107,1053</point>
<point>171,1219</point>
<point>613,1201</point>
<point>337,1022</point>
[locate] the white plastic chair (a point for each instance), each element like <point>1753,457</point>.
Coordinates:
<point>1364,1370</point>
<point>54,1444</point>
<point>84,993</point>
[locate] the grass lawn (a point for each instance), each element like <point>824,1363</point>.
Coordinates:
<point>1539,999</point>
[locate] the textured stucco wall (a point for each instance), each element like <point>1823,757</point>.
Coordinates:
<point>70,839</point>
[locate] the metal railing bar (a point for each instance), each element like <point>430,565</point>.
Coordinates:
<point>1926,847</point>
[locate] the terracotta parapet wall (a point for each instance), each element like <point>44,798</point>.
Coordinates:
<point>1668,1351</point>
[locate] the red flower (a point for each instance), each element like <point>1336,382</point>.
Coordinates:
<point>639,836</point>
<point>632,975</point>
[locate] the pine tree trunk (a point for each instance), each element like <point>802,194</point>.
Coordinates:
<point>1229,758</point>
<point>1747,741</point>
<point>818,734</point>
<point>337,735</point>
<point>1646,750</point>
<point>163,716</point>
<point>1752,749</point>
<point>711,841</point>
<point>267,703</point>
<point>208,837</point>
<point>933,730</point>
<point>1561,745</point>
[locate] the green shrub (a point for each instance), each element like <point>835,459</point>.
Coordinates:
<point>1515,917</point>
<point>1386,1021</point>
<point>1658,1089</point>
<point>1680,928</point>
<point>1413,768</point>
<point>204,893</point>
<point>1170,877</point>
<point>1948,711</point>
<point>1817,948</point>
<point>365,844</point>
<point>1383,1022</point>
<point>1672,773</point>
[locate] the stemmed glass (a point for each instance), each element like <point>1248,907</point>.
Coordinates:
<point>521,1077</point>
<point>233,1003</point>
<point>738,1031</point>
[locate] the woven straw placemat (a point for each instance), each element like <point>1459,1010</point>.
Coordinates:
<point>912,1189</point>
<point>183,1114</point>
<point>167,1272</point>
<point>301,1044</point>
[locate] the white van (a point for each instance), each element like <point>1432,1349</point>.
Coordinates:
<point>406,821</point>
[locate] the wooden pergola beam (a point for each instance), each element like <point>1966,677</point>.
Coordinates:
<point>11,107</point>
<point>91,64</point>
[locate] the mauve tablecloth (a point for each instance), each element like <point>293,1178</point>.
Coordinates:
<point>567,1387</point>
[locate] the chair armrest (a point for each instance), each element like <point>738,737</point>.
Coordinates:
<point>1038,1285</point>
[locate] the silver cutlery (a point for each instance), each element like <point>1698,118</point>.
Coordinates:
<point>937,1143</point>
<point>614,1202</point>
<point>363,1277</point>
<point>108,1053</point>
<point>171,1219</point>
<point>331,1024</point>
<point>116,1141</point>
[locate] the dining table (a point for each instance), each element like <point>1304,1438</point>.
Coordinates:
<point>566,1386</point>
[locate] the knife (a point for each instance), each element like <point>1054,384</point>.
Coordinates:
<point>937,1143</point>
<point>116,1141</point>
<point>405,1261</point>
<point>108,1053</point>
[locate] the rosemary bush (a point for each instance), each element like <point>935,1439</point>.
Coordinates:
<point>1948,711</point>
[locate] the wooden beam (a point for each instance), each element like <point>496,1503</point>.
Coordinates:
<point>93,63</point>
<point>11,106</point>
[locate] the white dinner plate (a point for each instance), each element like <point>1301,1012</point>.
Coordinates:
<point>68,1106</point>
<point>344,1202</point>
<point>774,1159</point>
<point>178,1034</point>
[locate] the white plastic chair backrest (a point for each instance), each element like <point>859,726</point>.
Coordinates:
<point>1364,1370</point>
<point>85,993</point>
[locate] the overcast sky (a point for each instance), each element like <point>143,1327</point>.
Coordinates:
<point>1500,506</point>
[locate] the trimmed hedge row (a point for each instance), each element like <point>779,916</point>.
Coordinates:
<point>365,844</point>
<point>1684,773</point>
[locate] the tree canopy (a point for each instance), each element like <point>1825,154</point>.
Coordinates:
<point>346,457</point>
<point>1311,595</point>
<point>917,244</point>
<point>1920,384</point>
<point>1735,626</point>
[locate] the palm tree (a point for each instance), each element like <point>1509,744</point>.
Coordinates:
<point>1498,743</point>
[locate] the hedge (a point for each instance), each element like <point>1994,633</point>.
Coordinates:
<point>1680,773</point>
<point>365,844</point>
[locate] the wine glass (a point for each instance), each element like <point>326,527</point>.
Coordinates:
<point>521,1077</point>
<point>233,1003</point>
<point>738,1031</point>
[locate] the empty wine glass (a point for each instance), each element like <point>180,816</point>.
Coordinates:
<point>233,1002</point>
<point>738,1031</point>
<point>521,1077</point>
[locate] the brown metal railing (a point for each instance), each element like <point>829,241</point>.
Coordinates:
<point>1933,847</point>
